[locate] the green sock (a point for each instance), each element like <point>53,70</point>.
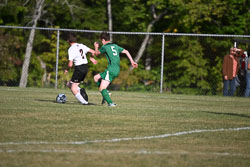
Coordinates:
<point>98,83</point>
<point>106,96</point>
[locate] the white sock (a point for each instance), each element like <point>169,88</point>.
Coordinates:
<point>80,98</point>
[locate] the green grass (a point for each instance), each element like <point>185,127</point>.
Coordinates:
<point>31,115</point>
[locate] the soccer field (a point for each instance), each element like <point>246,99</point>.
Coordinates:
<point>144,130</point>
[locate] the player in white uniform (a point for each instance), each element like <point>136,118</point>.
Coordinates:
<point>77,56</point>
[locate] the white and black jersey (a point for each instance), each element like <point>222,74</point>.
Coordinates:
<point>77,53</point>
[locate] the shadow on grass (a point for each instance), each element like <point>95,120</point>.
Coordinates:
<point>230,114</point>
<point>71,102</point>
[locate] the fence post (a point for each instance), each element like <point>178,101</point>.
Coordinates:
<point>162,61</point>
<point>57,56</point>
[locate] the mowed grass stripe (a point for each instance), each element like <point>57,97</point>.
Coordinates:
<point>31,115</point>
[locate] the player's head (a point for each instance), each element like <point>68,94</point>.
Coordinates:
<point>105,36</point>
<point>71,38</point>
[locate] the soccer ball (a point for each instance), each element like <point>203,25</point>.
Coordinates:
<point>84,94</point>
<point>61,98</point>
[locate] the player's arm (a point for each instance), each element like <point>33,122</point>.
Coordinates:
<point>70,65</point>
<point>92,59</point>
<point>133,63</point>
<point>97,52</point>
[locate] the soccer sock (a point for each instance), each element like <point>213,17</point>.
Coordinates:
<point>80,98</point>
<point>106,96</point>
<point>98,83</point>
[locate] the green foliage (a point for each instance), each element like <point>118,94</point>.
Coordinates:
<point>236,20</point>
<point>13,14</point>
<point>130,15</point>
<point>187,68</point>
<point>202,14</point>
<point>188,61</point>
<point>76,14</point>
<point>216,79</point>
<point>49,58</point>
<point>11,52</point>
<point>146,79</point>
<point>35,72</point>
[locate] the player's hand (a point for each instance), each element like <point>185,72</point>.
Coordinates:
<point>96,44</point>
<point>225,77</point>
<point>94,61</point>
<point>134,64</point>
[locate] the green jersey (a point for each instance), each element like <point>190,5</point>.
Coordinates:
<point>112,52</point>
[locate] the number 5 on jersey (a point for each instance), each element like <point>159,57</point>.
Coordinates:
<point>114,51</point>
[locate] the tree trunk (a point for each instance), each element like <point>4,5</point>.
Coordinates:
<point>148,56</point>
<point>146,39</point>
<point>109,18</point>
<point>43,66</point>
<point>25,68</point>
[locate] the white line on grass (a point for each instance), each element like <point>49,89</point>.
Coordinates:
<point>124,139</point>
<point>140,152</point>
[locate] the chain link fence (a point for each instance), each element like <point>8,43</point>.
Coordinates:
<point>168,62</point>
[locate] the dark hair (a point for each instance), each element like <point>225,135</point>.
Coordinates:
<point>105,36</point>
<point>71,38</point>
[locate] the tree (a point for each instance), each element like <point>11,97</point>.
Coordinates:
<point>25,69</point>
<point>156,18</point>
<point>109,17</point>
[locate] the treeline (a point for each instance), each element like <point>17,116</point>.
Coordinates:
<point>190,62</point>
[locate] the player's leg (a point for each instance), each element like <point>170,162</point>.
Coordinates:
<point>103,100</point>
<point>83,93</point>
<point>98,79</point>
<point>83,69</point>
<point>74,88</point>
<point>105,92</point>
<point>78,76</point>
<point>76,92</point>
<point>69,84</point>
<point>105,79</point>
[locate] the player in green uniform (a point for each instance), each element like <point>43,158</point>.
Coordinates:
<point>112,52</point>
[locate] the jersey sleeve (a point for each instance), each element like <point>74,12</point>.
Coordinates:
<point>86,49</point>
<point>120,49</point>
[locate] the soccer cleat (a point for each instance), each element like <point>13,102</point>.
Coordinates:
<point>112,105</point>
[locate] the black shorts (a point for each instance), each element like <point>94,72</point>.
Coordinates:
<point>79,73</point>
